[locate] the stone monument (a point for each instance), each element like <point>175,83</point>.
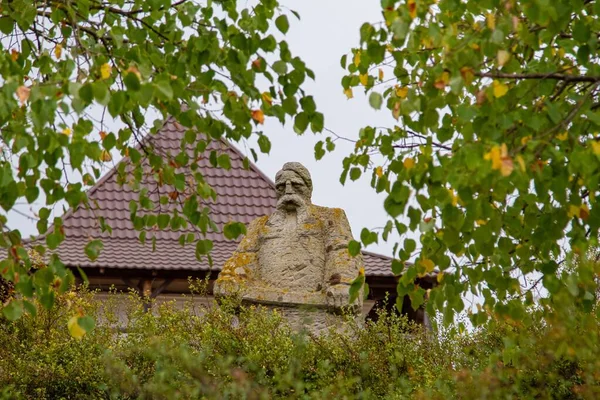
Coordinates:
<point>296,260</point>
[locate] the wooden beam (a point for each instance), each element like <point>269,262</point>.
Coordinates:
<point>160,288</point>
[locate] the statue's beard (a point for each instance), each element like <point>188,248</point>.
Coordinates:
<point>290,202</point>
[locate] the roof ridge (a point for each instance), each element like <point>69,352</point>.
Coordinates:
<point>250,163</point>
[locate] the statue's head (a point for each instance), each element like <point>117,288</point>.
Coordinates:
<point>294,187</point>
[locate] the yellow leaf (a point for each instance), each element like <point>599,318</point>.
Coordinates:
<point>412,8</point>
<point>596,147</point>
<point>525,140</point>
<point>396,111</point>
<point>481,222</point>
<point>467,74</point>
<point>408,163</point>
<point>573,211</point>
<point>502,57</point>
<point>401,92</point>
<point>521,162</point>
<point>58,51</point>
<point>258,116</point>
<point>134,70</point>
<point>379,172</point>
<point>357,58</point>
<point>507,166</point>
<point>584,212</point>
<point>563,136</point>
<point>105,70</point>
<point>494,155</point>
<point>361,271</point>
<point>348,93</point>
<point>490,20</point>
<point>67,131</point>
<point>427,42</point>
<point>14,55</point>
<point>453,197</point>
<point>102,135</point>
<point>74,329</point>
<point>364,79</point>
<point>427,264</point>
<point>474,46</point>
<point>380,74</point>
<point>442,81</point>
<point>500,159</point>
<point>105,156</point>
<point>440,277</point>
<point>500,89</point>
<point>267,98</point>
<point>23,94</point>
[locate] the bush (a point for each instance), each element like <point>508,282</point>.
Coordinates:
<point>211,352</point>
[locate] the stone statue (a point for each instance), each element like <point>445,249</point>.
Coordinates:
<point>296,257</point>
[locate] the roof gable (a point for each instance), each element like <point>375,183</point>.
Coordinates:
<point>242,195</point>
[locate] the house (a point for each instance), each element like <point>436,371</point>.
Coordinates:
<point>160,267</point>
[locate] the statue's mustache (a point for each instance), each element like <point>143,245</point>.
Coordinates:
<point>291,198</point>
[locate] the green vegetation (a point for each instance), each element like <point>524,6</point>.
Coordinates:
<point>191,351</point>
<point>494,163</point>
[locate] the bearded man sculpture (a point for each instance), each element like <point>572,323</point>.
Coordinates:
<point>295,260</point>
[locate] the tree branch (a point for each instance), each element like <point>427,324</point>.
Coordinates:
<point>553,75</point>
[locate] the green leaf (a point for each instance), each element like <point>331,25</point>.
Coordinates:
<point>280,67</point>
<point>375,100</point>
<point>164,90</point>
<point>83,276</point>
<point>354,247</point>
<point>355,173</point>
<point>308,105</point>
<point>368,237</point>
<point>282,24</point>
<point>319,151</point>
<point>265,145</point>
<point>13,310</point>
<point>6,25</point>
<point>223,161</point>
<point>93,248</point>
<point>101,92</point>
<point>162,221</point>
<point>232,230</point>
<point>132,82</point>
<point>301,122</point>
<point>397,267</point>
<point>87,323</point>
<point>203,247</point>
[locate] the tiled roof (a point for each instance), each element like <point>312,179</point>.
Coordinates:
<point>242,195</point>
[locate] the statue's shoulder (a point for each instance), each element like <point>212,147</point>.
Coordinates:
<point>259,222</point>
<point>333,214</point>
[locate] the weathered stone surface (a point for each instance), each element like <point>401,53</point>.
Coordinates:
<point>296,257</point>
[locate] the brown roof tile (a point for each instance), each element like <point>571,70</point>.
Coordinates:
<point>243,195</point>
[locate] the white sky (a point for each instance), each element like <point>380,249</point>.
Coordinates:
<point>326,31</point>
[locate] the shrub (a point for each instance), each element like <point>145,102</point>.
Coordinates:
<point>213,352</point>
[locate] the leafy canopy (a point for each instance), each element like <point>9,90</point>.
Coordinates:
<point>495,159</point>
<point>80,81</point>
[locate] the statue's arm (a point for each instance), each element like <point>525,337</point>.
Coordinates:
<point>243,264</point>
<point>341,268</point>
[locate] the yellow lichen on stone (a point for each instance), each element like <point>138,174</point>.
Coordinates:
<point>238,260</point>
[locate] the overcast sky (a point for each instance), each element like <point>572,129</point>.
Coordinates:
<point>326,31</point>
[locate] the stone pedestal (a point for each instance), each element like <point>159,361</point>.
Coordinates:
<point>316,321</point>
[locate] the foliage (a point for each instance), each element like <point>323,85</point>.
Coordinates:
<point>190,350</point>
<point>81,83</point>
<point>495,161</point>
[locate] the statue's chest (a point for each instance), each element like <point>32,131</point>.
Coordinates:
<point>293,256</point>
